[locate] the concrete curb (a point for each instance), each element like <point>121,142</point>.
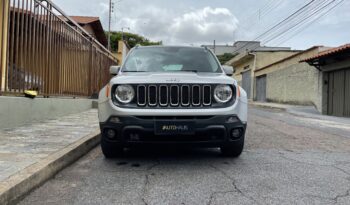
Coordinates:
<point>269,106</point>
<point>17,186</point>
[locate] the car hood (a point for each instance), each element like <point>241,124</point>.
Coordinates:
<point>172,78</point>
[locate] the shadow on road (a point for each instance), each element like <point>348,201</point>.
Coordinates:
<point>172,152</point>
<point>178,155</point>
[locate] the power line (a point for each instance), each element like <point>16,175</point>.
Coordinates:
<point>298,16</point>
<point>292,25</point>
<point>307,24</point>
<point>313,12</point>
<point>281,22</point>
<point>296,13</point>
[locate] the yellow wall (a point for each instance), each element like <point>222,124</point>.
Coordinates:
<point>239,68</point>
<point>266,58</point>
<point>123,50</point>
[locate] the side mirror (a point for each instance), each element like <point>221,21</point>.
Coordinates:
<point>229,70</point>
<point>114,70</point>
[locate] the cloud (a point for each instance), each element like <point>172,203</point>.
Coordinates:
<point>201,21</point>
<point>205,25</point>
<point>194,27</point>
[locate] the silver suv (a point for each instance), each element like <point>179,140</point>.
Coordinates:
<point>172,95</point>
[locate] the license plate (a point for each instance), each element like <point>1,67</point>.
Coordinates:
<point>174,127</point>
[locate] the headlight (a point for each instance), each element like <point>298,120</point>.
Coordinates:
<point>124,93</point>
<point>223,93</point>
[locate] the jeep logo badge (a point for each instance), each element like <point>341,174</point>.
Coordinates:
<point>172,80</point>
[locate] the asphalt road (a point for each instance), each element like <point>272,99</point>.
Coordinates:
<point>288,159</point>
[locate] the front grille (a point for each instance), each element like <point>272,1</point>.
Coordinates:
<point>174,95</point>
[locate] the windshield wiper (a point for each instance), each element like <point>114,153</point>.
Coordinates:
<point>193,71</point>
<point>133,71</point>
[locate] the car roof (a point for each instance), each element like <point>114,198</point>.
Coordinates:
<point>161,46</point>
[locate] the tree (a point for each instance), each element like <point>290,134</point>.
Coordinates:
<point>225,57</point>
<point>131,38</point>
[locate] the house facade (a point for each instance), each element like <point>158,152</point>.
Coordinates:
<point>246,63</point>
<point>290,81</point>
<point>93,26</point>
<point>334,66</point>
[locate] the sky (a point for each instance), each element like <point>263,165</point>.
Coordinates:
<point>197,22</point>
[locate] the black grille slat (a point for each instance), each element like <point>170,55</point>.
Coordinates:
<point>163,95</point>
<point>141,95</point>
<point>206,95</point>
<point>152,95</point>
<point>196,95</point>
<point>174,95</point>
<point>185,95</point>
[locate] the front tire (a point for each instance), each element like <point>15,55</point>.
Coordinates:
<point>233,149</point>
<point>110,150</point>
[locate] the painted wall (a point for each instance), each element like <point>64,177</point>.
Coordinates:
<point>295,84</point>
<point>295,59</point>
<point>244,62</point>
<point>267,57</point>
<point>88,28</point>
<point>243,66</point>
<point>289,81</point>
<point>123,50</point>
<point>16,111</point>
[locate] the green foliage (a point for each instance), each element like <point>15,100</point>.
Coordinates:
<point>131,38</point>
<point>225,57</point>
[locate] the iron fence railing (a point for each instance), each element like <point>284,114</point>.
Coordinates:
<point>49,52</point>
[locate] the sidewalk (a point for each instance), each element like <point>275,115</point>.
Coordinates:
<point>45,148</point>
<point>303,111</point>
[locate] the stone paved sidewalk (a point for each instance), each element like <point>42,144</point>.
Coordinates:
<point>23,146</point>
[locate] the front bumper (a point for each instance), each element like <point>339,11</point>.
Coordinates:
<point>208,131</point>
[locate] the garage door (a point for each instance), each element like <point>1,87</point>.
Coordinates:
<point>339,93</point>
<point>261,88</point>
<point>246,82</point>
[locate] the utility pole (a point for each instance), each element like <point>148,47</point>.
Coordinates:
<point>109,24</point>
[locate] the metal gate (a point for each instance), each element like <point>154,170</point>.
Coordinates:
<point>339,93</point>
<point>261,88</point>
<point>246,82</point>
<point>49,52</point>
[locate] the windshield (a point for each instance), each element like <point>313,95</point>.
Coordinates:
<point>171,59</point>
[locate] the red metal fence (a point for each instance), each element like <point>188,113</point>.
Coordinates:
<point>47,51</point>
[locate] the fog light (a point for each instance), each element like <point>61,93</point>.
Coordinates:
<point>111,134</point>
<point>114,120</point>
<point>236,133</point>
<point>232,119</point>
